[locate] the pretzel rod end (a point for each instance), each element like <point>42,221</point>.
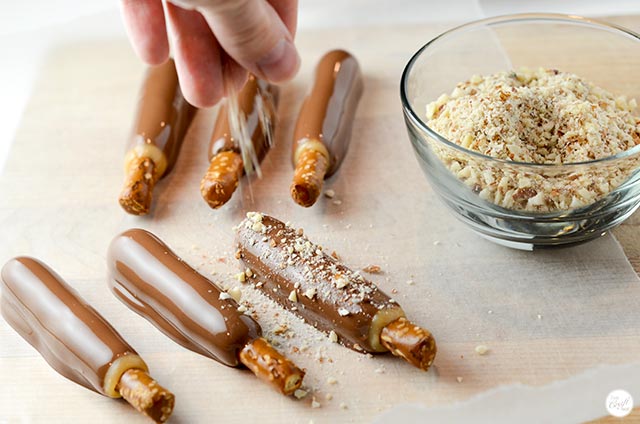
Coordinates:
<point>138,187</point>
<point>221,179</point>
<point>311,167</point>
<point>271,366</point>
<point>146,395</point>
<point>406,340</point>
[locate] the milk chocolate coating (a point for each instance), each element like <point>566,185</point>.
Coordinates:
<point>163,115</point>
<point>328,111</point>
<point>154,282</point>
<point>284,261</point>
<point>69,334</point>
<point>253,91</point>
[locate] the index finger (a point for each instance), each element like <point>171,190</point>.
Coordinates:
<point>145,24</point>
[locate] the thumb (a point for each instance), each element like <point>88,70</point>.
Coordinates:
<point>253,34</point>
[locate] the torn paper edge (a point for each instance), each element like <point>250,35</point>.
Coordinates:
<point>577,399</point>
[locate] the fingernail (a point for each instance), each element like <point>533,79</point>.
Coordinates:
<point>281,63</point>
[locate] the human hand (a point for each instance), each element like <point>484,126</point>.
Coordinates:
<point>212,38</point>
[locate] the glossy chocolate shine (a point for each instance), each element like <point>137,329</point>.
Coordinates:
<point>252,92</point>
<point>154,282</point>
<point>69,334</point>
<point>163,115</point>
<point>330,296</point>
<point>328,111</point>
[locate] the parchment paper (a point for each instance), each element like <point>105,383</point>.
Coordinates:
<point>544,316</point>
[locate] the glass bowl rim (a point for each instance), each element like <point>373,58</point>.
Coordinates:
<point>519,17</point>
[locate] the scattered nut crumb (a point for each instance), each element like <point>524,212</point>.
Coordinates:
<point>337,202</point>
<point>293,296</point>
<point>242,309</point>
<point>539,316</point>
<point>333,336</point>
<point>315,403</point>
<point>310,293</point>
<point>329,193</point>
<point>343,405</point>
<point>410,282</point>
<point>459,379</point>
<point>436,243</point>
<point>255,216</point>
<point>225,296</point>
<point>481,349</point>
<point>372,269</point>
<point>299,393</point>
<point>281,329</point>
<point>489,311</point>
<point>248,273</point>
<point>331,380</point>
<point>343,312</point>
<point>236,293</point>
<point>341,281</point>
<point>329,396</point>
<point>335,255</point>
<point>379,370</point>
<point>240,277</point>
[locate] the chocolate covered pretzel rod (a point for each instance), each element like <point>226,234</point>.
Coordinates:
<point>326,294</point>
<point>154,282</point>
<point>323,129</point>
<point>162,119</point>
<point>75,339</point>
<point>226,165</point>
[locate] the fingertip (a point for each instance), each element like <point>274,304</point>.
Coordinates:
<point>197,56</point>
<point>256,37</point>
<point>234,73</point>
<point>200,93</point>
<point>281,63</point>
<point>155,54</point>
<point>145,25</point>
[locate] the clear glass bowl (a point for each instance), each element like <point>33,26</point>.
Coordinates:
<point>607,55</point>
